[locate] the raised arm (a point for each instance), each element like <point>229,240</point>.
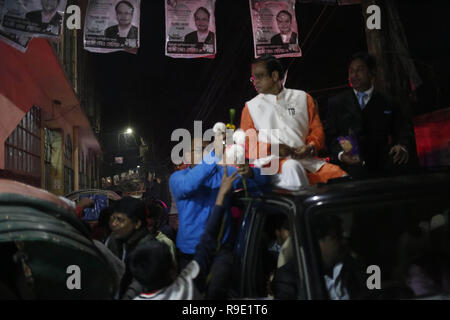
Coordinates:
<point>184,183</point>
<point>209,242</point>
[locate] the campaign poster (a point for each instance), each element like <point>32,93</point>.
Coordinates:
<point>18,41</point>
<point>190,28</point>
<point>34,18</point>
<point>275,29</point>
<point>112,25</point>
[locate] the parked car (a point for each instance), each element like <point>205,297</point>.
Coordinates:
<point>399,226</point>
<point>47,252</point>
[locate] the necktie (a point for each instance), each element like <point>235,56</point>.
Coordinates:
<point>361,96</point>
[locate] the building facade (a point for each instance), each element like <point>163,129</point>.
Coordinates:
<point>49,115</point>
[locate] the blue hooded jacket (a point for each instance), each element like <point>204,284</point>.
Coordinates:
<point>195,191</point>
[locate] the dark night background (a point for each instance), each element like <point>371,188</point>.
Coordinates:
<point>155,94</point>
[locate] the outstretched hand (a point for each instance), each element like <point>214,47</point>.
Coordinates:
<point>226,185</point>
<point>245,171</point>
<point>86,203</point>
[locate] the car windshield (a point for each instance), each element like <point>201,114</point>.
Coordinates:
<point>392,250</point>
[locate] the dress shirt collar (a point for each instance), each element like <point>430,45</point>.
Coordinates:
<point>367,92</point>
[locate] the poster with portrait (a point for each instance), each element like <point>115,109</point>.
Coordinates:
<point>18,41</point>
<point>190,28</point>
<point>112,25</point>
<point>275,29</point>
<point>34,18</point>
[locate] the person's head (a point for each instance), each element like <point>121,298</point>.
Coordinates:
<point>49,5</point>
<point>328,231</point>
<point>361,71</point>
<point>151,265</point>
<point>282,231</point>
<point>196,154</point>
<point>284,21</point>
<point>201,17</point>
<point>128,216</point>
<point>267,74</point>
<point>124,12</point>
<point>156,214</point>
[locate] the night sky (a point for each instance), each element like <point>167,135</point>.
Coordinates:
<point>155,94</point>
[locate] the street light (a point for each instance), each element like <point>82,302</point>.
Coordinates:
<point>129,131</point>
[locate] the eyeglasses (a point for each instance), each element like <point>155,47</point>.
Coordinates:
<point>258,76</point>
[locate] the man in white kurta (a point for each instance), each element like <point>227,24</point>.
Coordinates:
<point>287,119</point>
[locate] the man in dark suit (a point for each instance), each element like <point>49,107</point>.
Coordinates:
<point>377,125</point>
<point>284,22</point>
<point>124,30</point>
<point>202,35</point>
<point>47,17</point>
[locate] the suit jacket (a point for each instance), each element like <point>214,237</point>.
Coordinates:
<point>276,39</point>
<point>285,282</point>
<point>36,17</point>
<point>379,126</point>
<point>113,32</point>
<point>193,38</point>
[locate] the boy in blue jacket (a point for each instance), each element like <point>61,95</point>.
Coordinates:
<point>195,190</point>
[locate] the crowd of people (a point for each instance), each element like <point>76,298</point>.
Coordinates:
<point>366,134</point>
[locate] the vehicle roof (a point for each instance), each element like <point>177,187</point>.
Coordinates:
<point>425,183</point>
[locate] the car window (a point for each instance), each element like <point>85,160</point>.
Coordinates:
<point>388,250</point>
<point>272,265</point>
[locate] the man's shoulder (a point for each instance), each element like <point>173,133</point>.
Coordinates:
<point>115,27</point>
<point>112,29</point>
<point>382,98</point>
<point>295,91</point>
<point>255,98</point>
<point>276,39</point>
<point>344,95</point>
<point>277,36</point>
<point>133,30</point>
<point>295,94</point>
<point>177,174</point>
<point>147,237</point>
<point>191,36</point>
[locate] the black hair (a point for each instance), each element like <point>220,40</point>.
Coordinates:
<point>156,211</point>
<point>126,3</point>
<point>149,265</point>
<point>132,208</point>
<point>272,64</point>
<point>204,9</point>
<point>367,58</point>
<point>286,13</point>
<point>104,216</point>
<point>282,222</point>
<point>325,225</point>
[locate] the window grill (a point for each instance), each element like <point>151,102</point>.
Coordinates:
<point>23,146</point>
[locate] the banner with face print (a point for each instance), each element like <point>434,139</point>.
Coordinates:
<point>275,30</point>
<point>34,18</point>
<point>112,25</point>
<point>18,41</point>
<point>190,28</point>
